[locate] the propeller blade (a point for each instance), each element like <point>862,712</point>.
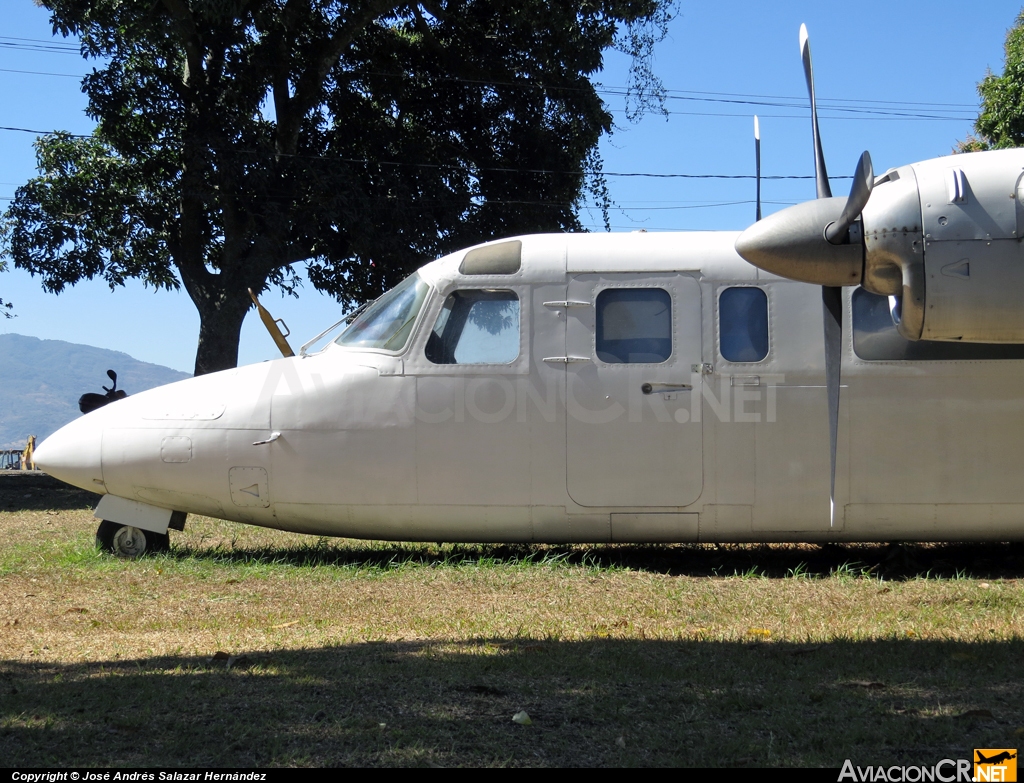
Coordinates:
<point>832,309</point>
<point>831,296</point>
<point>820,175</point>
<point>863,182</point>
<point>757,163</point>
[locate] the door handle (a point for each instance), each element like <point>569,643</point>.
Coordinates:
<point>659,388</point>
<point>567,303</point>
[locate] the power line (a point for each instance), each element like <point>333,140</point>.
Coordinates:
<point>852,113</point>
<point>364,161</point>
<point>883,111</point>
<point>672,94</point>
<point>35,45</point>
<point>852,105</point>
<point>859,113</point>
<point>43,73</point>
<point>821,100</point>
<point>47,41</point>
<point>836,104</point>
<point>624,206</point>
<point>746,117</point>
<point>45,133</point>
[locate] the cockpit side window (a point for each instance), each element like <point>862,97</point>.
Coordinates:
<point>743,324</point>
<point>476,326</point>
<point>634,326</point>
<point>388,322</point>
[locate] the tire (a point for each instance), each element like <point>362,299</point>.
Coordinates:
<point>129,542</point>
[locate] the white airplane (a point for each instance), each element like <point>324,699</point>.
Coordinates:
<point>628,388</point>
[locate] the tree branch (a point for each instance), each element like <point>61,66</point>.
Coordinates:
<point>186,24</point>
<point>310,85</point>
<point>425,31</point>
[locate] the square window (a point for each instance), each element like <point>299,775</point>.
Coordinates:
<point>634,326</point>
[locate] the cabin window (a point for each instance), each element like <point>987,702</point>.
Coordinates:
<point>388,322</point>
<point>634,326</point>
<point>876,339</point>
<point>743,324</point>
<point>476,327</point>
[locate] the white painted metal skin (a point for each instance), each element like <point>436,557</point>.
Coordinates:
<point>593,430</point>
<point>559,446</point>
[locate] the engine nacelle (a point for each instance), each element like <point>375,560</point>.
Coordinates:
<point>944,238</point>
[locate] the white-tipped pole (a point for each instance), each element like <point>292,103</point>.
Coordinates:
<point>757,165</point>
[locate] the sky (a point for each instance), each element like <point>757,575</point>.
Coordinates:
<point>896,78</point>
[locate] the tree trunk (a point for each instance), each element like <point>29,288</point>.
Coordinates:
<point>220,326</point>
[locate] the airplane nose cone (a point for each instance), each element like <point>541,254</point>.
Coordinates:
<point>72,454</point>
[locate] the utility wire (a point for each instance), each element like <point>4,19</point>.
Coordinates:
<point>43,73</point>
<point>618,207</point>
<point>746,117</point>
<point>858,105</point>
<point>800,104</point>
<point>35,45</point>
<point>364,161</point>
<point>821,101</point>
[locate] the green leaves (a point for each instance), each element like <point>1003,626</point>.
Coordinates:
<point>1000,123</point>
<point>89,213</point>
<point>236,138</point>
<point>5,307</point>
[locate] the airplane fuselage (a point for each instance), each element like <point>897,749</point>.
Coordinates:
<point>626,387</point>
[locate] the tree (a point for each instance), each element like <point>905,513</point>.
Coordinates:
<point>1000,123</point>
<point>236,138</point>
<point>5,307</point>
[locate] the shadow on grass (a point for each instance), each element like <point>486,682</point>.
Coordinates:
<point>39,492</point>
<point>945,561</point>
<point>601,702</point>
<point>36,492</point>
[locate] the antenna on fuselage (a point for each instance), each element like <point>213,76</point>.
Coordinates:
<point>757,164</point>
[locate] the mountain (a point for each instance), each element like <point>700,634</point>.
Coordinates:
<point>41,381</point>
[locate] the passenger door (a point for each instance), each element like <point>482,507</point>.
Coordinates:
<point>633,358</point>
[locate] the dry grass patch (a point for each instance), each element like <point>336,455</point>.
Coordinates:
<point>347,652</point>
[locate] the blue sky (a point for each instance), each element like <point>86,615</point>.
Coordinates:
<point>896,78</point>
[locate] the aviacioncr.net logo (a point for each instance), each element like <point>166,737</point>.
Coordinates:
<point>945,771</point>
<point>995,764</point>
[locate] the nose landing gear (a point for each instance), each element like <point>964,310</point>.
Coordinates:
<point>129,542</point>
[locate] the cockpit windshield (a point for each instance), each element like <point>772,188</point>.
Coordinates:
<point>388,322</point>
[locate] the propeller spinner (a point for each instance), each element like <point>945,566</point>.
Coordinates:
<point>818,242</point>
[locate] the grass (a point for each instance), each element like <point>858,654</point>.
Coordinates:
<point>245,646</point>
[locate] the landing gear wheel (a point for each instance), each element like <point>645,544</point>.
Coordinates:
<point>129,542</point>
